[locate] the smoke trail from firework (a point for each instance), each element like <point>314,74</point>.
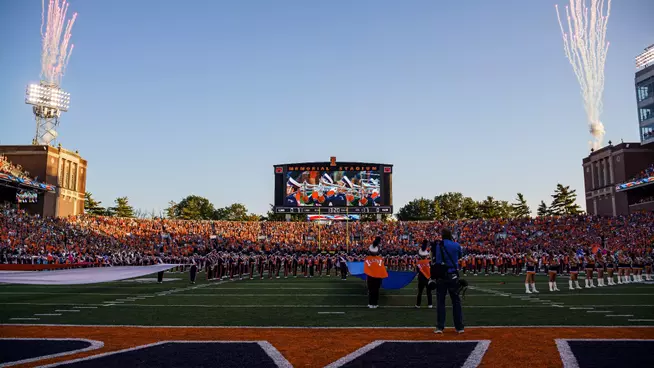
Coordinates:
<point>55,52</point>
<point>586,47</point>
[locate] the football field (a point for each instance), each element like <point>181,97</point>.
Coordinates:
<point>322,320</point>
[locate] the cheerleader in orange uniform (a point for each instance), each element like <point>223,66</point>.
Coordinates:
<point>531,275</point>
<point>373,267</point>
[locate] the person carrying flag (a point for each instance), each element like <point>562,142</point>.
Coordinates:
<point>375,271</point>
<point>424,274</point>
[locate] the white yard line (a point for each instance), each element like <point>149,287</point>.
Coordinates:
<point>48,314</point>
<point>24,319</point>
<point>619,315</point>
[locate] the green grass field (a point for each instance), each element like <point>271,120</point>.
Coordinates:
<point>320,301</point>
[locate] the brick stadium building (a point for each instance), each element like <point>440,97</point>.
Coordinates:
<point>608,172</point>
<point>66,170</point>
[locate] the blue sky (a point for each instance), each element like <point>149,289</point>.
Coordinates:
<point>172,98</point>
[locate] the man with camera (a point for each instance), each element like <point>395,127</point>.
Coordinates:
<point>445,279</point>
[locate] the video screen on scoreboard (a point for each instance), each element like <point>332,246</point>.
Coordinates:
<point>331,188</point>
<point>27,196</point>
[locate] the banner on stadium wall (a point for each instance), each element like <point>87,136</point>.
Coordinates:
<point>27,182</point>
<point>333,217</point>
<point>635,183</point>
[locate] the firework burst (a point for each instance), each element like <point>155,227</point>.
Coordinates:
<point>586,48</point>
<point>56,39</point>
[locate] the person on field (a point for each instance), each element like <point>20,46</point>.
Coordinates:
<point>424,274</point>
<point>342,265</point>
<point>530,280</point>
<point>373,267</point>
<point>447,253</point>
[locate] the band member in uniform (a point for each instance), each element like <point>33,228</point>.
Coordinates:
<point>342,263</point>
<point>373,267</point>
<point>424,275</point>
<point>530,279</point>
<point>194,270</point>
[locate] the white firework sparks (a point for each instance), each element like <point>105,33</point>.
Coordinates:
<point>56,51</point>
<point>586,47</point>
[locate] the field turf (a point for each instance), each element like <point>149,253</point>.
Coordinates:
<point>273,318</point>
<point>319,301</point>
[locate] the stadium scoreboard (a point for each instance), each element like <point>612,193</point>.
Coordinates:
<point>333,188</point>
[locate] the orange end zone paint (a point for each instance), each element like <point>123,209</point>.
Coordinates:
<point>319,347</point>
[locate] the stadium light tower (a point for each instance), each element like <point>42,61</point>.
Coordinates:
<point>48,100</point>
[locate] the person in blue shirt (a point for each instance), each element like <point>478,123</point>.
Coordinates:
<point>449,255</point>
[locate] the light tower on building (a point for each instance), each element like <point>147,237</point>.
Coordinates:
<point>47,98</point>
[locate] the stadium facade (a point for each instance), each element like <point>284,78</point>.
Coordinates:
<point>55,167</point>
<point>645,94</point>
<point>612,181</point>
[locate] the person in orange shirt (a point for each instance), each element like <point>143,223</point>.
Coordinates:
<point>373,267</point>
<point>424,274</point>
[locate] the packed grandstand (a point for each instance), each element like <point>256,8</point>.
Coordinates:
<point>491,245</point>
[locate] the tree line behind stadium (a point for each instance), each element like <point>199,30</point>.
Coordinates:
<point>446,206</point>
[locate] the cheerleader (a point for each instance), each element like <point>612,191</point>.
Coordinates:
<point>589,260</point>
<point>552,271</point>
<point>622,269</point>
<point>574,272</point>
<point>610,267</point>
<point>648,269</point>
<point>424,275</point>
<point>531,275</point>
<point>599,266</point>
<point>373,267</point>
<point>637,269</point>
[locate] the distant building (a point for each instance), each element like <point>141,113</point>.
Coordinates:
<point>66,170</point>
<point>614,179</point>
<point>606,169</point>
<point>645,94</point>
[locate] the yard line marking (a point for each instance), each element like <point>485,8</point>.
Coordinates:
<point>24,319</point>
<point>580,308</point>
<point>619,315</point>
<point>85,307</point>
<point>596,311</point>
<point>640,320</point>
<point>331,312</point>
<point>48,314</point>
<point>66,310</point>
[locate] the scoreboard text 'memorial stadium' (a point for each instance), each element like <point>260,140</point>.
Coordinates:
<point>334,188</point>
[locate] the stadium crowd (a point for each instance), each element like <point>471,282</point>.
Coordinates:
<point>646,173</point>
<point>491,245</point>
